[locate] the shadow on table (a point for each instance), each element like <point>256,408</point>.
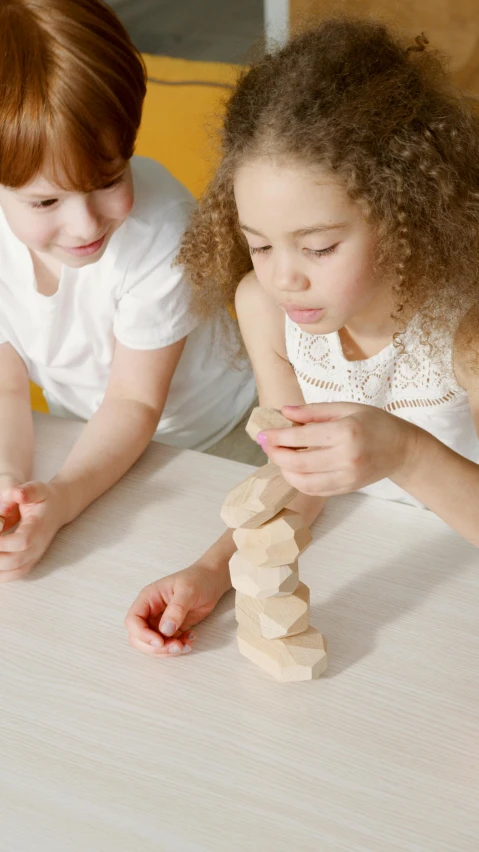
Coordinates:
<point>353,618</point>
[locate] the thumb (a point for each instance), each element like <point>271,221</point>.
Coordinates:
<point>176,611</point>
<point>30,492</point>
<point>317,412</point>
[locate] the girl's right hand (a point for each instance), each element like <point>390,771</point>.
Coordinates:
<point>160,619</point>
<point>9,511</point>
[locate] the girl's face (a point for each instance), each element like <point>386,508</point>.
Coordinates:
<point>72,227</point>
<point>311,247</point>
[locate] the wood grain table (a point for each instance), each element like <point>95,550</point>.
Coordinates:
<point>104,750</point>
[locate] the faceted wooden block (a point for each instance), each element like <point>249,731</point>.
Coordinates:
<point>266,418</point>
<point>278,542</point>
<point>258,498</point>
<point>294,658</point>
<point>275,617</point>
<point>262,582</point>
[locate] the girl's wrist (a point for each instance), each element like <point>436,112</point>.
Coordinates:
<point>415,440</point>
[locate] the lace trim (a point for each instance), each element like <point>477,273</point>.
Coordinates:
<point>390,406</point>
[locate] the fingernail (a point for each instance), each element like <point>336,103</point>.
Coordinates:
<point>262,440</point>
<point>167,627</point>
<point>192,636</point>
<point>157,643</point>
<point>173,649</point>
<point>186,649</point>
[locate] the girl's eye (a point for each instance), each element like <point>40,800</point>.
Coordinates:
<point>258,249</point>
<point>43,205</point>
<point>320,252</point>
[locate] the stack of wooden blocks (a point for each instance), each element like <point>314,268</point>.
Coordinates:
<point>272,605</point>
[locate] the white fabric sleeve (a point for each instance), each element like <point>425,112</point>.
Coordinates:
<point>153,309</point>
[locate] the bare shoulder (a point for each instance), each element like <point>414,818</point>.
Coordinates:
<point>256,310</point>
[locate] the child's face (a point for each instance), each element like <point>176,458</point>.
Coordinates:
<point>311,247</point>
<point>72,227</point>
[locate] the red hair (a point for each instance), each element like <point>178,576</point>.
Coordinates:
<point>71,94</point>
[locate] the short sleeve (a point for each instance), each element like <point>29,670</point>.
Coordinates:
<point>153,309</point>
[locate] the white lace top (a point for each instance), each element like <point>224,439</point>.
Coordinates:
<point>409,384</point>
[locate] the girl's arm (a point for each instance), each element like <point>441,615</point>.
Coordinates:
<point>444,481</point>
<point>262,325</point>
<point>159,620</point>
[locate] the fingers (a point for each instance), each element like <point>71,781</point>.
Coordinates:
<point>20,540</point>
<point>319,411</point>
<point>30,492</point>
<point>176,647</point>
<point>177,610</point>
<point>7,575</point>
<point>325,434</point>
<point>152,635</point>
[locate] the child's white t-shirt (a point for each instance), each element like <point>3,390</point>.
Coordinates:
<point>134,295</point>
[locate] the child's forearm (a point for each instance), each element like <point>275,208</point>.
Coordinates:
<point>108,446</point>
<point>445,482</point>
<point>16,436</point>
<point>217,557</point>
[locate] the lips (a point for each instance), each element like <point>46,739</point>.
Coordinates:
<point>303,316</point>
<point>85,251</point>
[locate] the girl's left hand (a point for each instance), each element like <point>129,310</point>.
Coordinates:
<point>39,507</point>
<point>344,446</point>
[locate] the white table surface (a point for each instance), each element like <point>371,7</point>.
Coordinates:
<point>103,749</point>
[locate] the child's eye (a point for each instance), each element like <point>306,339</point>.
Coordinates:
<point>43,205</point>
<point>258,249</point>
<point>319,252</point>
<point>114,182</point>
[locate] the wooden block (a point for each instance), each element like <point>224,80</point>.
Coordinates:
<point>302,657</point>
<point>258,498</point>
<point>262,582</point>
<point>274,618</point>
<point>278,542</point>
<point>266,418</point>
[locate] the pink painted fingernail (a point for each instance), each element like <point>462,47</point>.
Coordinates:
<point>157,643</point>
<point>262,440</point>
<point>168,628</point>
<point>192,636</point>
<point>186,649</point>
<point>173,649</point>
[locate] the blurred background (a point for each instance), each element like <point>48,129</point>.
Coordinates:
<point>207,30</point>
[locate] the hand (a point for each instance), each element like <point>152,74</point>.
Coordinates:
<point>38,514</point>
<point>9,513</point>
<point>159,621</point>
<point>344,446</point>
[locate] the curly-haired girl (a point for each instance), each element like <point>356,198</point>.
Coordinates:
<point>344,219</point>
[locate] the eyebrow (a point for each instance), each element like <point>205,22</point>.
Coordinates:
<point>301,232</point>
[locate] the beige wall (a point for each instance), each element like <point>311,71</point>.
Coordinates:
<point>451,25</point>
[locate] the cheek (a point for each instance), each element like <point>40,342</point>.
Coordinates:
<point>121,204</point>
<point>34,230</point>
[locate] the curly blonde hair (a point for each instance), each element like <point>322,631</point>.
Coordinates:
<point>385,119</point>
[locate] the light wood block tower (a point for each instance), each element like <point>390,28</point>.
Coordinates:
<point>272,605</point>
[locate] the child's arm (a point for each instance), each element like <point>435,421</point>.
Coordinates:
<point>107,447</point>
<point>164,610</point>
<point>16,433</point>
<point>352,445</point>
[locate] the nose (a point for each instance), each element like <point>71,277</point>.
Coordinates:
<point>85,223</point>
<point>287,276</point>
